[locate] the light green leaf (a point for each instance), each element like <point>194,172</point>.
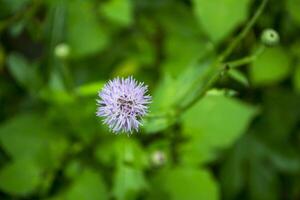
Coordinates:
<point>293,7</point>
<point>85,34</point>
<point>89,89</point>
<point>296,78</point>
<point>20,178</point>
<point>213,123</point>
<point>220,17</point>
<point>119,11</point>
<point>176,91</point>
<point>89,185</point>
<point>128,182</point>
<point>271,67</point>
<point>183,40</point>
<point>163,98</point>
<point>187,183</point>
<point>239,77</point>
<point>27,136</point>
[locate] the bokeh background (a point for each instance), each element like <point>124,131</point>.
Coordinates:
<point>240,141</point>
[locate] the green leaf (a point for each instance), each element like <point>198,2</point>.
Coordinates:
<point>89,185</point>
<point>130,151</point>
<point>239,77</point>
<point>259,178</point>
<point>12,6</point>
<point>186,183</point>
<point>85,34</point>
<point>24,72</point>
<point>128,182</point>
<point>27,136</point>
<point>209,129</point>
<point>264,183</point>
<point>176,91</point>
<point>156,124</point>
<point>232,175</point>
<point>89,89</point>
<point>293,7</point>
<point>296,78</point>
<point>220,17</point>
<point>119,11</point>
<point>183,41</point>
<point>163,98</point>
<point>281,115</point>
<point>20,178</point>
<point>271,67</point>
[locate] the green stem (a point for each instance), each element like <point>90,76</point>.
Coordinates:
<point>213,79</point>
<point>216,71</point>
<point>246,60</point>
<point>244,32</point>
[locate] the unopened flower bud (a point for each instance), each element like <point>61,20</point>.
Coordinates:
<point>62,50</point>
<point>270,37</point>
<point>158,158</point>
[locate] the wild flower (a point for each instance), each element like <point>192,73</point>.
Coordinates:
<point>122,103</point>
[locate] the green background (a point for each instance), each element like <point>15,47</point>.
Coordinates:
<point>240,141</point>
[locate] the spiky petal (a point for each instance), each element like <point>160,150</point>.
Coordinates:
<point>122,103</point>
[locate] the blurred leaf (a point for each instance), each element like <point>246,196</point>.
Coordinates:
<point>248,166</point>
<point>162,101</point>
<point>186,183</point>
<point>263,181</point>
<point>271,67</point>
<point>239,77</point>
<point>130,151</point>
<point>89,89</point>
<point>12,6</point>
<point>109,156</point>
<point>281,115</point>
<point>164,94</point>
<point>88,185</point>
<point>209,130</point>
<point>182,51</point>
<point>293,7</point>
<point>85,34</point>
<point>296,78</point>
<point>119,11</point>
<point>2,58</point>
<point>126,68</point>
<point>220,17</point>
<point>122,150</point>
<point>27,136</point>
<point>25,73</point>
<point>176,91</point>
<point>232,175</point>
<point>184,43</point>
<point>20,178</point>
<point>128,182</point>
<point>156,124</point>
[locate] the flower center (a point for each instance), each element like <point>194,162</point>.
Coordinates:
<point>125,105</point>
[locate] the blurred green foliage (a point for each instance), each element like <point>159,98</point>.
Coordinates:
<point>239,141</point>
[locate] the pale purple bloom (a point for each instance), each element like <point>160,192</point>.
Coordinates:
<point>122,104</point>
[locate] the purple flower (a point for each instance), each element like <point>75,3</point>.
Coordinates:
<point>122,104</point>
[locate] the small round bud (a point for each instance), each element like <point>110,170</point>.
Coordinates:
<point>62,50</point>
<point>158,158</point>
<point>270,37</point>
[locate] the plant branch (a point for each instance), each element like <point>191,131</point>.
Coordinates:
<point>247,59</point>
<point>244,32</point>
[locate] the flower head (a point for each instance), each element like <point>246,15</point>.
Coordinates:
<point>122,104</point>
